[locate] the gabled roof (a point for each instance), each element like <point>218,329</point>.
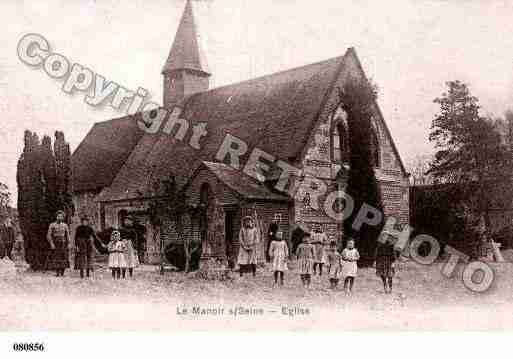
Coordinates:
<point>241,183</point>
<point>99,157</point>
<point>274,113</point>
<point>380,115</point>
<point>186,52</point>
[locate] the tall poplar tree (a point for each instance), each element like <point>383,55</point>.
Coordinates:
<point>43,178</point>
<point>63,174</point>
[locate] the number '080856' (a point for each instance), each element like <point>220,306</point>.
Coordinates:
<point>28,347</point>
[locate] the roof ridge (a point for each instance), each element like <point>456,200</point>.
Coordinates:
<point>126,117</point>
<point>229,85</point>
<point>269,75</point>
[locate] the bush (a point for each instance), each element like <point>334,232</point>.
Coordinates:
<point>175,254</point>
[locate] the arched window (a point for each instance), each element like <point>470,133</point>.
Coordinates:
<point>340,136</point>
<point>374,142</point>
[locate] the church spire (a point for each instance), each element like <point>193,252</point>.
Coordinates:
<point>185,71</point>
<point>186,52</point>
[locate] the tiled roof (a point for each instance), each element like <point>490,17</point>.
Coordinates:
<point>241,183</point>
<point>103,151</point>
<point>274,113</point>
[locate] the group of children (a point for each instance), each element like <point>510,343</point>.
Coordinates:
<point>312,254</point>
<point>122,255</point>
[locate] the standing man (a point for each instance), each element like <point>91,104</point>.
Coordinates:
<point>58,238</point>
<point>84,237</point>
<point>248,250</point>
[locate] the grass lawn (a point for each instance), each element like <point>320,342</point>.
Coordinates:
<point>422,299</point>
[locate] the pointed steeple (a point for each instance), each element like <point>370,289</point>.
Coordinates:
<point>185,72</point>
<point>186,52</point>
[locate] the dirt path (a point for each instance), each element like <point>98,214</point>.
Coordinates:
<point>422,299</point>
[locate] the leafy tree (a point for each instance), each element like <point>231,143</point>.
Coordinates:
<point>418,166</point>
<point>172,206</point>
<point>441,211</point>
<point>358,100</point>
<point>469,149</point>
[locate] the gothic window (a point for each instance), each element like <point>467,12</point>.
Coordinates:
<point>340,136</point>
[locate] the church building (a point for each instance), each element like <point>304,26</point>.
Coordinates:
<point>295,116</point>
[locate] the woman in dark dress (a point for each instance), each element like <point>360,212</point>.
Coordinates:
<point>84,237</point>
<point>385,258</point>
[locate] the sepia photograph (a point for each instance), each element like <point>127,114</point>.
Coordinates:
<point>272,165</point>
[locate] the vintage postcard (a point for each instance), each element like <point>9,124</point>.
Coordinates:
<point>220,165</point>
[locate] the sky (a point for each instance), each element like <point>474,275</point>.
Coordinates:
<point>409,49</point>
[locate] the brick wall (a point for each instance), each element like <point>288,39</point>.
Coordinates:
<point>317,161</point>
<point>225,202</point>
<point>180,84</point>
<point>138,208</point>
<point>264,213</point>
<point>224,194</point>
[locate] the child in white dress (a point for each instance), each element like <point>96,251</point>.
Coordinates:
<point>350,256</point>
<point>117,260</point>
<point>279,252</point>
